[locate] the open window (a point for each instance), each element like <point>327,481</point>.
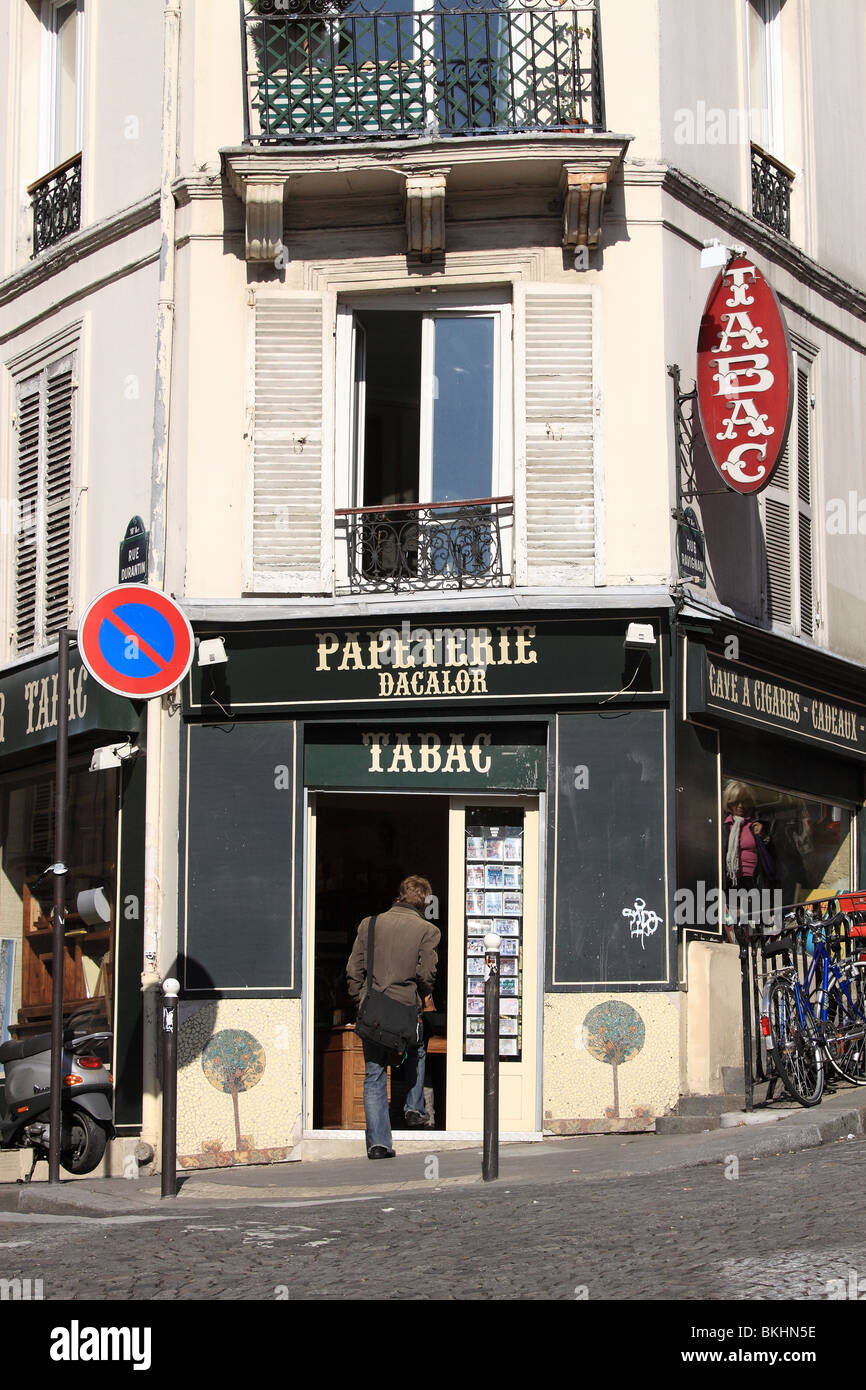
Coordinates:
<point>424,493</point>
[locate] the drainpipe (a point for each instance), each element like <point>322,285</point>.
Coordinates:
<point>150,977</point>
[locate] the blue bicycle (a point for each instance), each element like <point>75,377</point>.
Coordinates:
<point>821,1017</point>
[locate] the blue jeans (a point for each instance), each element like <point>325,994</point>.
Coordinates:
<point>376,1062</point>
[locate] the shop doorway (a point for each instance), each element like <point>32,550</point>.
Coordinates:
<point>481,855</point>
<point>364,847</point>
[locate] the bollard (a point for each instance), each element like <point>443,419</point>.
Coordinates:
<point>169,1088</point>
<point>490,1158</point>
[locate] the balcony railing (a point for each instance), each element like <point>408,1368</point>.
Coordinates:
<point>56,204</point>
<point>440,545</point>
<point>771,191</point>
<point>454,69</point>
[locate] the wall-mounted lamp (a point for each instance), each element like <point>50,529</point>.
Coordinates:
<point>211,651</point>
<point>639,637</point>
<point>716,253</point>
<point>111,755</point>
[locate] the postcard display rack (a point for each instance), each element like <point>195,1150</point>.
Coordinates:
<point>493,866</point>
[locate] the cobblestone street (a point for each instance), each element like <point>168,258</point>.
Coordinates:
<point>784,1228</point>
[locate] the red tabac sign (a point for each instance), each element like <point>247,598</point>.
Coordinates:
<point>745,377</point>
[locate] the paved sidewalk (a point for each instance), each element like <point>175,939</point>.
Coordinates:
<point>776,1130</point>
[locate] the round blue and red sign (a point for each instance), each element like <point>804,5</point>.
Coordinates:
<point>136,641</point>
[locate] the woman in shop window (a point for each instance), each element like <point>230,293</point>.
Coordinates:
<point>749,860</point>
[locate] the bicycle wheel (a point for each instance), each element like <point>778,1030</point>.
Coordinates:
<point>845,1026</point>
<point>795,1046</point>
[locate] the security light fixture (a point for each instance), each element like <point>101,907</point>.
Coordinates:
<point>111,755</point>
<point>639,637</point>
<point>211,651</point>
<point>716,253</point>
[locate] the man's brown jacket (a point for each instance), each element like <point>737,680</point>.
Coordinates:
<point>404,955</point>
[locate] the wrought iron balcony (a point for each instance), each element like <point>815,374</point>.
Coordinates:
<point>314,73</point>
<point>439,545</point>
<point>56,204</point>
<point>771,191</point>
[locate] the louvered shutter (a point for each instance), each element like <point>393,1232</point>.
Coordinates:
<point>560,411</point>
<point>28,413</point>
<point>787,511</point>
<point>59,434</point>
<point>804,504</point>
<point>777,537</point>
<point>290,536</point>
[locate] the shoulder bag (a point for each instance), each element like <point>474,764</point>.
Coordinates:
<point>384,1020</point>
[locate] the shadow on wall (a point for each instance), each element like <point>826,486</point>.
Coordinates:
<point>736,550</point>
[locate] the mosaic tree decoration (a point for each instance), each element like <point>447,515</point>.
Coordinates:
<point>234,1061</point>
<point>614,1032</point>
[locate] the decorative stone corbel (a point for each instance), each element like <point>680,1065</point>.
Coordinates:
<point>263,198</point>
<point>425,214</point>
<point>583,206</point>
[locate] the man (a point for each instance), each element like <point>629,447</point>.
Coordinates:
<point>404,962</point>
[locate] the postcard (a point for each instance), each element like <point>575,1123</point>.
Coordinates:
<point>513,848</point>
<point>509,946</point>
<point>476,1026</point>
<point>474,846</point>
<point>475,945</point>
<point>475,987</point>
<point>474,1047</point>
<point>512,876</point>
<point>493,904</point>
<point>507,965</point>
<point>474,903</point>
<point>475,876</point>
<point>507,986</point>
<point>508,1026</point>
<point>474,1005</point>
<point>475,965</point>
<point>493,849</point>
<point>507,926</point>
<point>509,1006</point>
<point>507,1047</point>
<point>512,904</point>
<point>493,876</point>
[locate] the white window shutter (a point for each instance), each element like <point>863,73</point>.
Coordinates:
<point>59,437</point>
<point>787,513</point>
<point>561,486</point>
<point>804,504</point>
<point>29,426</point>
<point>291,521</point>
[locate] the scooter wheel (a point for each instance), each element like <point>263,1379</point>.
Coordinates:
<point>83,1143</point>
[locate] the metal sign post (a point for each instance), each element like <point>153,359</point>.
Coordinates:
<point>490,1158</point>
<point>168,1165</point>
<point>59,914</point>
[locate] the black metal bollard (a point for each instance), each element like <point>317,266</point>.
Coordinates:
<point>170,990</point>
<point>490,1159</point>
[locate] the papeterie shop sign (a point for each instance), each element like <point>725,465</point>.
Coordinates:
<point>745,379</point>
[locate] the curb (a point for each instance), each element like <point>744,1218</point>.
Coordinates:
<point>790,1133</point>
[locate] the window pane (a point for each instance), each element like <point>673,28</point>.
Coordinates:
<point>805,849</point>
<point>67,134</point>
<point>462,409</point>
<point>393,406</point>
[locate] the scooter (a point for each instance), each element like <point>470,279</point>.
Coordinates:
<point>87,1097</point>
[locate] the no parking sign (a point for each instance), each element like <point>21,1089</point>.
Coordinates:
<point>136,641</point>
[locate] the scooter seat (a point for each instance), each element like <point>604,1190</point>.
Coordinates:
<point>14,1051</point>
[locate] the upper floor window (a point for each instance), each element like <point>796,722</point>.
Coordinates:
<point>62,85</point>
<point>425,396</point>
<point>765,75</point>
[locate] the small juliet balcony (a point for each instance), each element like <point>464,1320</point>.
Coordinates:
<point>432,546</point>
<point>771,191</point>
<point>56,200</point>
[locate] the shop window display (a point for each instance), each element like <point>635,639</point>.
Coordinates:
<point>26,895</point>
<point>776,840</point>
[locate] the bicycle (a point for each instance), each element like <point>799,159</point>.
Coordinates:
<point>820,1018</point>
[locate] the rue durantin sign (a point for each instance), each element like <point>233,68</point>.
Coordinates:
<point>745,380</point>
